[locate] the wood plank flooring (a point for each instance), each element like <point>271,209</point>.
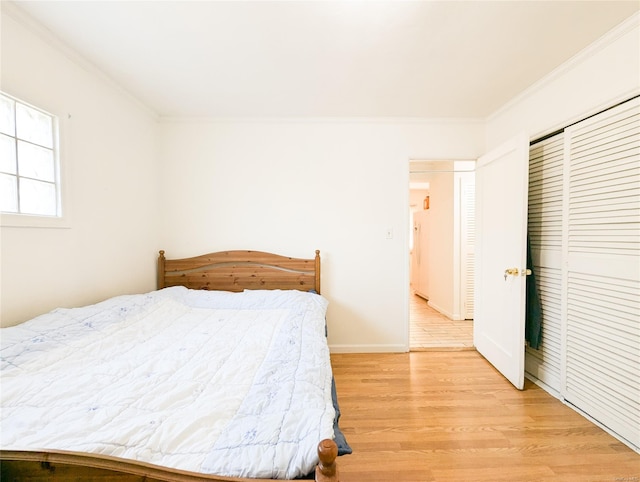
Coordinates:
<point>431,330</point>
<point>449,416</point>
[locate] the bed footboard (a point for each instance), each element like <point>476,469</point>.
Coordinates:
<point>17,465</point>
<point>327,470</point>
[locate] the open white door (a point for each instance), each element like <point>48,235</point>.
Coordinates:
<point>502,177</point>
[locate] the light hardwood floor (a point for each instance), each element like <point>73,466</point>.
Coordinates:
<point>449,416</point>
<point>431,330</point>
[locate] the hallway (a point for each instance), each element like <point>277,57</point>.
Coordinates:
<point>432,331</point>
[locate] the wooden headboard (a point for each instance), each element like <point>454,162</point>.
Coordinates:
<point>240,270</point>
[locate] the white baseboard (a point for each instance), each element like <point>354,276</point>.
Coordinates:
<point>368,348</point>
<point>441,310</point>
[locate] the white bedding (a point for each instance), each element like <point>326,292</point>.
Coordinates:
<point>235,384</point>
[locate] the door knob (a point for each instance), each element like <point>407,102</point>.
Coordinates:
<point>515,272</point>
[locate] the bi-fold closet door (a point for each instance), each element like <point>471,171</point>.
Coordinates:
<point>584,226</point>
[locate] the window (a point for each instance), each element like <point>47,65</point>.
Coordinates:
<point>29,172</point>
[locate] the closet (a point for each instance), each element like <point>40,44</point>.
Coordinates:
<point>584,230</point>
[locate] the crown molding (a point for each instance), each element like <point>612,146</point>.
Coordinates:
<point>321,120</point>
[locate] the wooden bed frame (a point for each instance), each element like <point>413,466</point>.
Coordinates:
<point>229,271</point>
<point>240,270</point>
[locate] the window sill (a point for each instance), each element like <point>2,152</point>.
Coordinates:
<point>33,221</point>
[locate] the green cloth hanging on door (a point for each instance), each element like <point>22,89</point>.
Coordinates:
<point>533,319</point>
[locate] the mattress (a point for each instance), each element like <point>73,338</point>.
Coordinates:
<point>234,384</point>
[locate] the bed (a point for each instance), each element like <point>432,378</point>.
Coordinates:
<point>222,374</point>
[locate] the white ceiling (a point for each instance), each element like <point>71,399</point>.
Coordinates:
<point>347,58</point>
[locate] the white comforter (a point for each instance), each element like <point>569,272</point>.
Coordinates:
<point>235,384</point>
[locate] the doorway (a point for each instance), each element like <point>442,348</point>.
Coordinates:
<point>441,205</point>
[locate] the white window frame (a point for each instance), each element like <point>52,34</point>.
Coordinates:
<point>62,218</point>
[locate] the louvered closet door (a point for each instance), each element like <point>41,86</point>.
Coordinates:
<point>468,235</point>
<point>546,161</point>
<point>603,269</point>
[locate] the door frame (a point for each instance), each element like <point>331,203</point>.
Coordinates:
<point>457,295</point>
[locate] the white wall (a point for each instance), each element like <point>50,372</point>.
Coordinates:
<point>441,243</point>
<point>283,186</point>
<point>604,73</point>
<point>291,187</point>
<point>110,151</point>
